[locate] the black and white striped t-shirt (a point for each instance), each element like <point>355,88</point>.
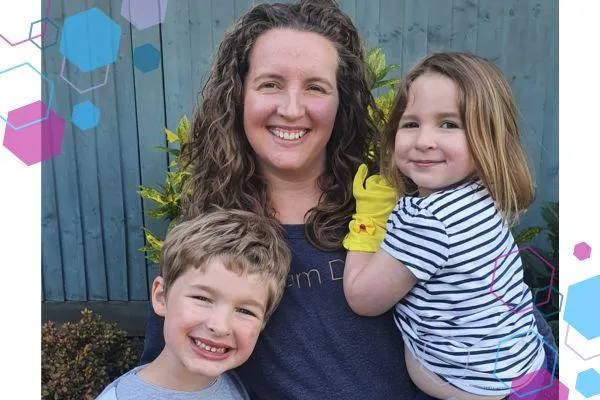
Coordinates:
<point>465,312</point>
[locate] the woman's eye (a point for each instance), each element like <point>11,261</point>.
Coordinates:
<point>449,125</point>
<point>316,88</point>
<point>269,85</point>
<point>408,125</point>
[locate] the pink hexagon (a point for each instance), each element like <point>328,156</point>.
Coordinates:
<point>538,385</point>
<point>36,142</point>
<point>582,251</point>
<point>535,253</point>
<point>143,13</point>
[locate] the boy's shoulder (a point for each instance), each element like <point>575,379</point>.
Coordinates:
<point>129,387</point>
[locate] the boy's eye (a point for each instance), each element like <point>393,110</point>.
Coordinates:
<point>246,311</point>
<point>449,125</point>
<point>407,125</point>
<point>202,298</point>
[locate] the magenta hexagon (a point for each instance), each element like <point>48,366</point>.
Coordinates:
<point>535,253</point>
<point>144,13</point>
<point>37,142</point>
<point>538,385</point>
<point>582,251</point>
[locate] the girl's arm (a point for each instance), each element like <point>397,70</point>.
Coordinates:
<point>375,282</point>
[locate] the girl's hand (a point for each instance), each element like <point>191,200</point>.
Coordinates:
<point>375,200</point>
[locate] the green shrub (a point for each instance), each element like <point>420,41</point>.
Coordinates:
<point>80,359</point>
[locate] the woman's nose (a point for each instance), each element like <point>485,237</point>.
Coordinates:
<point>292,106</point>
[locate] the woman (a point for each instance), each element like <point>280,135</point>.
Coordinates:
<point>281,130</point>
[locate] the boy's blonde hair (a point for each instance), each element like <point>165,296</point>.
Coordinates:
<point>488,110</point>
<point>244,242</point>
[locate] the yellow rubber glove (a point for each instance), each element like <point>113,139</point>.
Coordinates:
<point>375,200</point>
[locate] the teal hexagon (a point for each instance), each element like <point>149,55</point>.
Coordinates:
<point>90,39</point>
<point>588,383</point>
<point>146,58</point>
<point>85,115</point>
<point>581,297</point>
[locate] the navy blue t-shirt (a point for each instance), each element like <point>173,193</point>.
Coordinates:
<point>314,347</point>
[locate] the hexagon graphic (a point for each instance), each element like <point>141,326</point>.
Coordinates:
<point>16,100</point>
<point>581,298</point>
<point>37,142</point>
<point>582,251</point>
<point>582,347</point>
<point>540,385</point>
<point>49,32</point>
<point>144,13</point>
<point>544,299</point>
<point>146,58</point>
<point>521,387</point>
<point>541,294</point>
<point>588,382</point>
<point>85,115</point>
<point>90,39</point>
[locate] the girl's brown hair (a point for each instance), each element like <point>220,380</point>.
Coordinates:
<point>225,171</point>
<point>488,111</point>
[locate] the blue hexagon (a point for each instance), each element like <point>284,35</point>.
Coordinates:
<point>581,298</point>
<point>146,58</point>
<point>90,39</point>
<point>551,370</point>
<point>51,38</point>
<point>85,115</point>
<point>588,383</point>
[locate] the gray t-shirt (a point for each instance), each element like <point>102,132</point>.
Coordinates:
<point>131,387</point>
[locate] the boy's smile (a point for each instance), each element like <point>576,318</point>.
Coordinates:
<point>212,320</point>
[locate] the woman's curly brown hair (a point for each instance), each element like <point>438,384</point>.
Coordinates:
<point>225,172</point>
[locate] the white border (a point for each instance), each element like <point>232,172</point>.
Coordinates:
<point>20,232</point>
<point>579,110</point>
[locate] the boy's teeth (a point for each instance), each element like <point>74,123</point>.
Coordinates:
<point>209,348</point>
<point>288,135</point>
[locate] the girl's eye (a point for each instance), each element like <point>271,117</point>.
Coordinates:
<point>449,125</point>
<point>202,298</point>
<point>246,311</point>
<point>408,125</point>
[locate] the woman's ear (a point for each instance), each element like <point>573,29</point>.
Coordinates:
<point>159,298</point>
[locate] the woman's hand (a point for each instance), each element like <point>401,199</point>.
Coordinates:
<point>375,200</point>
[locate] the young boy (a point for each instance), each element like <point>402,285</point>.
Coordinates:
<point>221,277</point>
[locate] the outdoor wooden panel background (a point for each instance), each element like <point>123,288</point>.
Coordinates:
<point>92,217</point>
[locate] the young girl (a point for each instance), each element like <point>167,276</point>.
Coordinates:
<point>448,262</point>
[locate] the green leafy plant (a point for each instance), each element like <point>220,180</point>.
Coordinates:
<point>166,198</point>
<point>80,359</point>
<point>536,273</point>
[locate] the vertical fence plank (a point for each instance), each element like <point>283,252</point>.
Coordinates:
<point>391,22</point>
<point>367,21</point>
<point>149,103</point>
<point>489,29</point>
<point>439,26</point>
<point>126,136</point>
<point>464,25</point>
<point>415,33</point>
<point>66,170</point>
<point>548,178</point>
<point>52,280</point>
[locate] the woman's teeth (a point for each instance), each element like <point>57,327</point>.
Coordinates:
<point>288,134</point>
<point>209,348</point>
